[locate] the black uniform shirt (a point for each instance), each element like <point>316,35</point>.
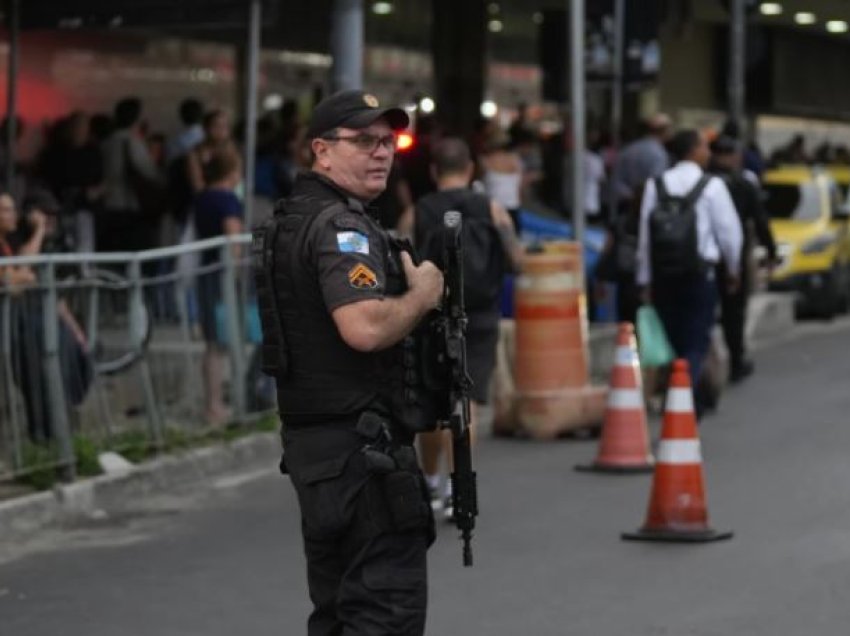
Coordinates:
<point>748,202</point>
<point>349,248</point>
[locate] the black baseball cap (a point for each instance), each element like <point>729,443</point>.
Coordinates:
<point>353,109</point>
<point>725,145</point>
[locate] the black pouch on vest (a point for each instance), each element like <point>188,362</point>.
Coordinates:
<point>274,350</point>
<point>408,508</point>
<point>415,404</point>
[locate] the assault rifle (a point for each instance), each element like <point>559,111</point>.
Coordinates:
<point>452,325</point>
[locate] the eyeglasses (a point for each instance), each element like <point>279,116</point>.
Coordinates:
<point>366,142</point>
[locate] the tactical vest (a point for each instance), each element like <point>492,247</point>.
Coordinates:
<point>321,379</point>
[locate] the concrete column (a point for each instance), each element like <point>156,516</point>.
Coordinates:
<point>737,53</point>
<point>617,89</point>
<point>13,26</point>
<point>459,45</point>
<point>617,70</point>
<point>252,74</point>
<point>347,45</point>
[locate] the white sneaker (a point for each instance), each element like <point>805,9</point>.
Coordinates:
<point>436,500</point>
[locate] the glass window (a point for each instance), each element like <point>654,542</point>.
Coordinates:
<point>793,202</point>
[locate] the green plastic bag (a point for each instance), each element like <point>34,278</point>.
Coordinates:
<point>653,346</point>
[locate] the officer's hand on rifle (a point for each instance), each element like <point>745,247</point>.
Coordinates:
<point>425,280</point>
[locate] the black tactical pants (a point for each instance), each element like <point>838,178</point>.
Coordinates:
<point>733,312</point>
<point>365,536</point>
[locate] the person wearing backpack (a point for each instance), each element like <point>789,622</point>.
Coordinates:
<point>640,160</point>
<point>491,249</point>
<point>688,224</point>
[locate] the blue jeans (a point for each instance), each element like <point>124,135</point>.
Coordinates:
<point>687,308</point>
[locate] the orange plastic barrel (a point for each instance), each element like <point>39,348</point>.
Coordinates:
<point>551,325</point>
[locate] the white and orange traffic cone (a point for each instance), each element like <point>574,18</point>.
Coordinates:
<point>677,508</point>
<point>624,444</point>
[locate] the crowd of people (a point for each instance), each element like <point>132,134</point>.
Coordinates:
<point>109,183</point>
<point>511,168</point>
<point>688,212</point>
<point>627,190</point>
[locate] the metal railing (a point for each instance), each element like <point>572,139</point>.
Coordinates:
<point>105,351</point>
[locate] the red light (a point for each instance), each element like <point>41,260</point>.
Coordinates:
<point>404,142</point>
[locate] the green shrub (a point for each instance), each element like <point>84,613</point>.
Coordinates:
<point>38,463</point>
<point>268,424</point>
<point>86,451</point>
<point>176,439</point>
<point>133,445</point>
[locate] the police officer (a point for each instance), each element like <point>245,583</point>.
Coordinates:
<point>339,302</point>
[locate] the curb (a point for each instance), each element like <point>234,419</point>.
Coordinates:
<point>109,492</point>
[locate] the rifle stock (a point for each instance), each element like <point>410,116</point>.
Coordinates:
<point>464,490</point>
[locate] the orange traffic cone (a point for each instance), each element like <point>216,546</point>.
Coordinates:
<point>677,508</point>
<point>624,445</point>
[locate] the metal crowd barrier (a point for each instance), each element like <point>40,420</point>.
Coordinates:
<point>104,351</point>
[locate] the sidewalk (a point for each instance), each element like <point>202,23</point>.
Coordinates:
<point>88,498</point>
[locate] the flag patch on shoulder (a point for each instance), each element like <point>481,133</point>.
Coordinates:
<point>361,277</point>
<point>352,242</point>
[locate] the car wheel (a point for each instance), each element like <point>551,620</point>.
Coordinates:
<point>844,306</point>
<point>832,298</point>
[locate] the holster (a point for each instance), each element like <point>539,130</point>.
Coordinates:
<point>410,508</point>
<point>397,476</point>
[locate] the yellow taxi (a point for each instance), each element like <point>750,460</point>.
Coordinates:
<point>809,221</point>
<point>841,175</point>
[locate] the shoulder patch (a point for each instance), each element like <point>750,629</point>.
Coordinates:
<point>352,242</point>
<point>362,277</point>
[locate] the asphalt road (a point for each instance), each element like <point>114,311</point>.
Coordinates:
<point>549,558</point>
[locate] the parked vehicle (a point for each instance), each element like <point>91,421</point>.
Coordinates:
<point>809,219</point>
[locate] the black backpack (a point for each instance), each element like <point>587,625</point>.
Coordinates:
<point>673,238</point>
<point>484,260</point>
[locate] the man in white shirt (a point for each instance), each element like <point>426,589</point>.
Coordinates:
<point>686,302</point>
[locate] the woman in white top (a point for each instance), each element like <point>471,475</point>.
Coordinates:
<point>502,172</point>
